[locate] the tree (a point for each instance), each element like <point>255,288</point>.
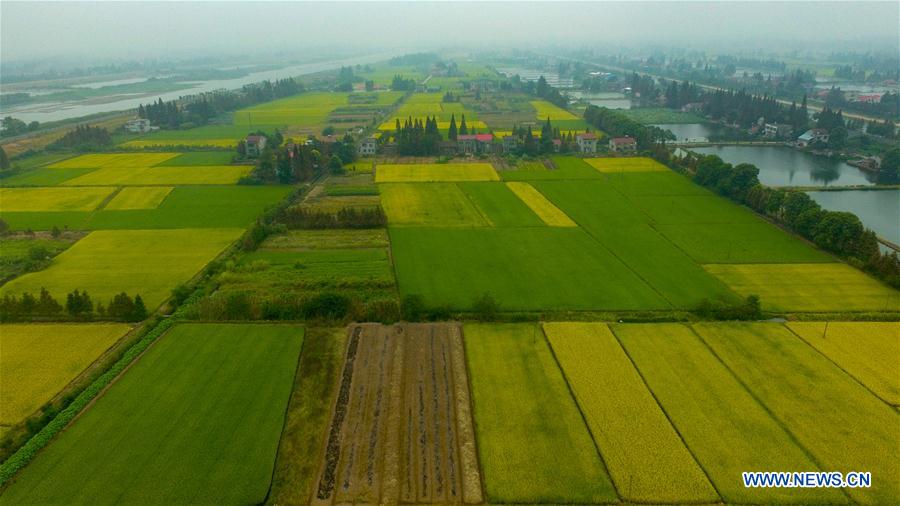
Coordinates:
<point>140,310</point>
<point>889,173</point>
<point>463,130</point>
<point>452,132</point>
<point>335,166</point>
<point>79,303</point>
<point>485,307</point>
<point>46,304</point>
<point>4,160</point>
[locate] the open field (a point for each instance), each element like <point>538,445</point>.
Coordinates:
<point>741,243</point>
<point>52,199</point>
<point>808,287</point>
<point>39,360</point>
<point>867,351</point>
<point>536,268</point>
<point>197,419</point>
<point>194,158</point>
<point>145,262</point>
<point>499,205</point>
<point>659,183</point>
<point>544,110</point>
<point>723,425</point>
<point>646,458</point>
<point>401,429</point>
<point>139,197</point>
<point>432,204</point>
<point>624,165</point>
<point>204,206</point>
<point>549,213</point>
<point>533,443</point>
<point>434,172</point>
<point>162,175</point>
<point>842,425</point>
<point>567,167</point>
<point>120,160</point>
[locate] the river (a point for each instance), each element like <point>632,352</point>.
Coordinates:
<point>55,111</point>
<point>878,209</point>
<point>784,166</point>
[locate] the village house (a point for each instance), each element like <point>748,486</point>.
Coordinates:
<point>255,144</point>
<point>474,144</point>
<point>138,126</point>
<point>587,142</point>
<point>368,146</point>
<point>778,130</point>
<point>510,143</point>
<point>813,136</point>
<point>622,145</point>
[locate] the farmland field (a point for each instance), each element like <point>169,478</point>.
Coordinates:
<point>645,456</point>
<point>431,204</point>
<point>536,268</point>
<point>145,262</point>
<point>843,426</point>
<point>808,287</point>
<point>401,429</point>
<point>96,161</point>
<point>533,443</point>
<point>499,205</point>
<point>139,197</point>
<point>629,164</point>
<point>162,175</point>
<point>566,167</point>
<point>43,176</point>
<point>725,427</point>
<point>549,213</point>
<point>39,360</point>
<point>434,172</point>
<point>197,419</point>
<point>544,110</point>
<point>868,351</point>
<point>734,243</point>
<point>52,199</point>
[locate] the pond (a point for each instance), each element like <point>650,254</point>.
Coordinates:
<point>688,132</point>
<point>784,166</point>
<point>877,209</point>
<point>610,100</point>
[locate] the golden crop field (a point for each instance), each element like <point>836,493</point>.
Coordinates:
<point>808,287</point>
<point>39,360</point>
<point>432,204</point>
<point>646,458</point>
<point>546,211</point>
<point>868,351</point>
<point>434,172</point>
<point>725,427</point>
<point>96,161</point>
<point>139,197</point>
<point>138,176</point>
<point>544,109</point>
<point>146,262</point>
<point>52,199</point>
<point>840,423</point>
<point>632,164</point>
<point>155,143</point>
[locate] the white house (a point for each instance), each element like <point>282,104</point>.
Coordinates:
<point>368,146</point>
<point>587,142</point>
<point>255,144</point>
<point>138,126</point>
<point>622,145</point>
<point>812,137</point>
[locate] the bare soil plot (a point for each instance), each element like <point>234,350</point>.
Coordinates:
<point>401,429</point>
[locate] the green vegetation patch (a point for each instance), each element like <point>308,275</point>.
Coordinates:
<point>660,115</point>
<point>654,183</point>
<point>300,240</point>
<point>193,158</point>
<point>566,167</point>
<point>343,190</point>
<point>19,254</point>
<point>734,243</point>
<point>522,268</point>
<point>145,262</point>
<point>44,176</point>
<point>533,443</point>
<point>701,210</point>
<point>196,420</point>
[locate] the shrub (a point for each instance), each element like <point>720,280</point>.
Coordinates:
<point>485,307</point>
<point>412,308</point>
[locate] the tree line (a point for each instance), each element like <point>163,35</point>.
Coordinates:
<point>297,162</point>
<point>84,138</point>
<point>841,233</point>
<point>78,305</point>
<point>617,124</point>
<point>201,108</point>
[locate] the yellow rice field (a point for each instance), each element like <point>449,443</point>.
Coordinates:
<point>139,176</point>
<point>139,197</point>
<point>645,456</point>
<point>546,211</point>
<point>433,204</point>
<point>808,287</point>
<point>97,161</point>
<point>868,351</point>
<point>633,164</point>
<point>544,109</point>
<point>156,143</point>
<point>52,199</point>
<point>39,360</point>
<point>434,172</point>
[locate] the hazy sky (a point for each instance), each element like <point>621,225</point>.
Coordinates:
<point>139,29</point>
